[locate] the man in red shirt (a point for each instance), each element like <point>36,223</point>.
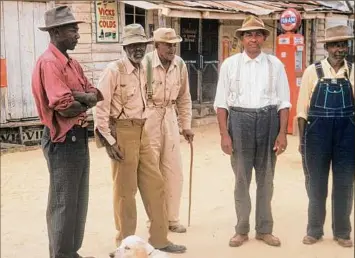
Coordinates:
<point>63,95</point>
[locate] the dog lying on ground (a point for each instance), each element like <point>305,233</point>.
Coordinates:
<point>136,247</point>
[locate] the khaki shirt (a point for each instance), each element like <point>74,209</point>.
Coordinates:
<point>170,86</point>
<point>123,98</point>
<point>310,79</point>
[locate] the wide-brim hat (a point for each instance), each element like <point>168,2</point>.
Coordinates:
<point>167,35</point>
<point>58,16</point>
<point>252,22</point>
<point>337,33</point>
<point>134,33</point>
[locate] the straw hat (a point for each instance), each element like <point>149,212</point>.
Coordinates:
<point>167,35</point>
<point>58,16</point>
<point>337,33</point>
<point>252,22</point>
<point>134,33</point>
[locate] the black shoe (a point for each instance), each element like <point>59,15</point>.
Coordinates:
<point>112,254</point>
<point>172,248</point>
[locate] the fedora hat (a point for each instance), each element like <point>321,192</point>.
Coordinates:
<point>337,33</point>
<point>58,16</point>
<point>252,22</point>
<point>167,35</point>
<point>134,33</point>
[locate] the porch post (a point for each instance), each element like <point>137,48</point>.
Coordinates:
<point>161,19</point>
<point>200,70</point>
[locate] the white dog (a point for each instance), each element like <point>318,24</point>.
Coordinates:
<point>136,247</point>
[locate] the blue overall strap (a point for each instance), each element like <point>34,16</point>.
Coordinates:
<point>319,70</point>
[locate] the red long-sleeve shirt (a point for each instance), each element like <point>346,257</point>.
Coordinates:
<point>54,79</point>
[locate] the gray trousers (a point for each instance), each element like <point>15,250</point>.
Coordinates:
<point>68,165</point>
<point>253,133</point>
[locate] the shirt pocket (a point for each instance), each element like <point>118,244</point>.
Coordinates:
<point>74,82</point>
<point>157,87</point>
<point>175,90</point>
<point>128,88</point>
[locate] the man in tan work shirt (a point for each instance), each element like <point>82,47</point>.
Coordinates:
<point>119,126</point>
<point>167,88</point>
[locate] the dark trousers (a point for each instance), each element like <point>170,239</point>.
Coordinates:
<point>329,142</point>
<point>253,133</point>
<point>68,165</point>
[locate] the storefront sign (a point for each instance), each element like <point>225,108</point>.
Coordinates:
<point>290,20</point>
<point>189,35</point>
<point>106,21</point>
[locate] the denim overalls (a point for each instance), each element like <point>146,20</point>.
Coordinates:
<point>329,140</point>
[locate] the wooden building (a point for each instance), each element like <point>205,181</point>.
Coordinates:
<point>207,28</point>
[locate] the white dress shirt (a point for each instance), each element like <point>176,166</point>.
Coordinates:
<point>253,89</point>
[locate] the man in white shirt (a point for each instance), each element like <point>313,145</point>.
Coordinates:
<point>252,103</point>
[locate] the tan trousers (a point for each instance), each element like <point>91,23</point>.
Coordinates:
<point>138,171</point>
<point>163,131</point>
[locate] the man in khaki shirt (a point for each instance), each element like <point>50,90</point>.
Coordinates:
<point>119,127</point>
<point>167,88</point>
<point>327,136</point>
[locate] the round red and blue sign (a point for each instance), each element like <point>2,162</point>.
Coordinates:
<point>290,19</point>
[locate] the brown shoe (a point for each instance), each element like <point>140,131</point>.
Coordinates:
<point>344,242</point>
<point>177,228</point>
<point>268,239</point>
<point>237,240</point>
<point>309,240</point>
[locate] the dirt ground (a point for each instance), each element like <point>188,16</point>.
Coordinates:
<point>24,186</point>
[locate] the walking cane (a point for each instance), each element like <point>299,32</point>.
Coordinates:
<point>190,187</point>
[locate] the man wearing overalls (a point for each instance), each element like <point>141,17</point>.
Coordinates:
<point>325,111</point>
<point>119,120</point>
<point>253,96</point>
<point>167,89</point>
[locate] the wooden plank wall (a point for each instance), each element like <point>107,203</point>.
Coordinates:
<point>3,90</point>
<point>23,43</point>
<point>320,52</point>
<point>13,59</point>
<point>93,56</point>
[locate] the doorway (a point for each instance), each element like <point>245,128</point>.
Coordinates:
<point>199,49</point>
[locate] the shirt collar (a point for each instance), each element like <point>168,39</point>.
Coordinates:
<point>59,55</point>
<point>156,60</point>
<point>258,59</point>
<point>344,68</point>
<point>129,66</point>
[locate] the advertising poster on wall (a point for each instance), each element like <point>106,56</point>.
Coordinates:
<point>106,21</point>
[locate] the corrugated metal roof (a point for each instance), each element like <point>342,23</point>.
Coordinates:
<point>257,7</point>
<point>143,4</point>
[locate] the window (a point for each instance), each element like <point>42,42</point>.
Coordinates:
<point>134,15</point>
